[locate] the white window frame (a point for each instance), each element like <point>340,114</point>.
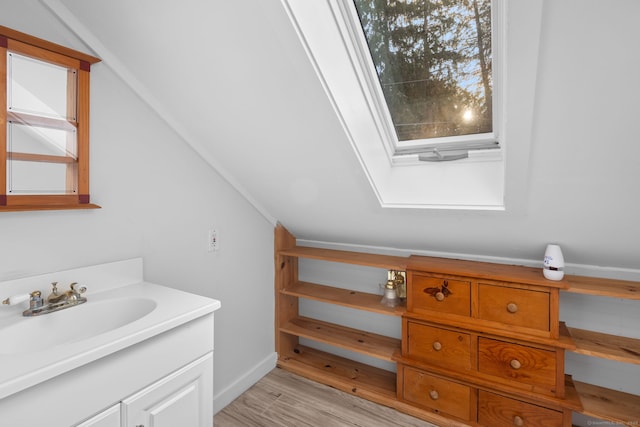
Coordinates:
<point>494,180</point>
<point>408,152</point>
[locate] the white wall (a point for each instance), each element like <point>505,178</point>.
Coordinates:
<point>159,199</point>
<point>583,174</point>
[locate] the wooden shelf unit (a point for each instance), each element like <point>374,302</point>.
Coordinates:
<point>368,382</point>
<point>367,343</point>
<point>388,262</point>
<point>379,385</point>
<point>610,405</point>
<point>343,297</point>
<point>605,346</point>
<point>354,377</point>
<point>603,287</point>
<point>601,402</point>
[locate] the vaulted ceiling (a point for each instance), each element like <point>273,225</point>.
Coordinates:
<point>233,80</point>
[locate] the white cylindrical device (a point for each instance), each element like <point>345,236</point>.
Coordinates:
<point>553,263</point>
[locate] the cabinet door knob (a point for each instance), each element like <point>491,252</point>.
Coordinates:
<point>434,395</point>
<point>518,421</point>
<point>512,307</point>
<point>440,296</point>
<point>515,364</point>
<point>437,346</point>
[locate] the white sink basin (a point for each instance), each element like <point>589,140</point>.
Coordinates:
<point>73,324</point>
<point>122,311</point>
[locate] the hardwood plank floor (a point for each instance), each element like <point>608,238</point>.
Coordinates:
<point>285,399</point>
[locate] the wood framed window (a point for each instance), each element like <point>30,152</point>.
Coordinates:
<point>44,124</point>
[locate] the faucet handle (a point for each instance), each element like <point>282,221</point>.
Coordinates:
<point>82,290</point>
<point>17,299</point>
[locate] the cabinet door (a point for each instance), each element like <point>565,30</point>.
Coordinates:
<point>183,398</point>
<point>107,418</point>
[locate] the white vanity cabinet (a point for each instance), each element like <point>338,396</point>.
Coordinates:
<point>108,418</point>
<point>183,399</point>
<point>152,367</point>
<point>164,381</point>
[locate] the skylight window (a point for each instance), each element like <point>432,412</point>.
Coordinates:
<point>433,62</point>
<point>488,136</point>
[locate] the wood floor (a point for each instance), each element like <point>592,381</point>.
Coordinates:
<point>284,399</point>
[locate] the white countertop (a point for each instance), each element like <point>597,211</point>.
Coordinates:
<point>22,369</point>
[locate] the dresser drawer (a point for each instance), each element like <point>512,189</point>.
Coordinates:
<point>511,306</point>
<point>500,411</point>
<point>439,395</point>
<point>436,294</point>
<point>532,367</point>
<point>439,346</point>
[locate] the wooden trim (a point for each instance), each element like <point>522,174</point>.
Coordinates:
<point>82,141</point>
<point>47,45</point>
<point>24,208</point>
<point>44,158</point>
<point>286,306</point>
<point>42,54</point>
<point>554,313</point>
<point>3,122</point>
<point>45,201</point>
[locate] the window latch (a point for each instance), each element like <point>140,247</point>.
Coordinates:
<point>437,156</point>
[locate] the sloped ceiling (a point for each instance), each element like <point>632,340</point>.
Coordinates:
<point>232,78</point>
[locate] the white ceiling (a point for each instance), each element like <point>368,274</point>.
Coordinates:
<point>232,79</point>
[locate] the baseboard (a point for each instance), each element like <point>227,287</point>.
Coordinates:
<point>242,384</point>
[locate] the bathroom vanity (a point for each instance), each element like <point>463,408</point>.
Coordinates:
<point>135,354</point>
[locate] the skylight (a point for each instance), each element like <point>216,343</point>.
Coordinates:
<point>491,156</point>
<point>433,60</point>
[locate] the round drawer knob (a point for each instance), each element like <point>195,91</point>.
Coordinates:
<point>515,364</point>
<point>437,346</point>
<point>440,296</point>
<point>434,395</point>
<point>512,307</point>
<point>518,421</point>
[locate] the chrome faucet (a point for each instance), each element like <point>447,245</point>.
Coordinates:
<point>70,296</point>
<point>54,302</point>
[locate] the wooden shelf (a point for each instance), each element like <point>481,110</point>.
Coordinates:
<point>613,347</point>
<point>356,258</point>
<point>370,344</point>
<point>352,377</point>
<point>603,287</point>
<point>344,297</point>
<point>610,405</point>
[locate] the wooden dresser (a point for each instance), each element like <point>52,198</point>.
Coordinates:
<point>482,344</point>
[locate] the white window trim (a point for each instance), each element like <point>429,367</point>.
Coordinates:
<point>406,152</point>
<point>484,181</point>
